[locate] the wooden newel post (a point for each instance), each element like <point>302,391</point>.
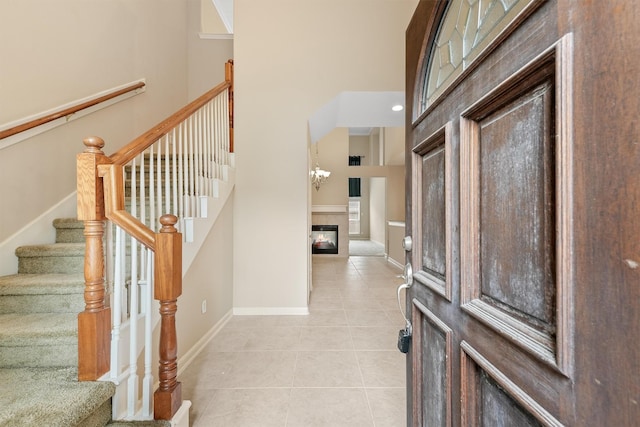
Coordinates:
<point>94,323</point>
<point>168,287</point>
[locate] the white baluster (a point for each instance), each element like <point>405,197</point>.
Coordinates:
<point>223,120</point>
<point>167,176</point>
<point>159,193</point>
<point>174,171</point>
<point>198,148</point>
<point>182,156</point>
<point>147,383</point>
<point>118,285</point>
<point>142,199</point>
<point>217,141</point>
<point>226,127</point>
<point>205,145</point>
<point>152,192</point>
<point>132,383</point>
<point>191,167</point>
<point>214,136</point>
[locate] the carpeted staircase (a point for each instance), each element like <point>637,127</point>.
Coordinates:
<point>38,339</point>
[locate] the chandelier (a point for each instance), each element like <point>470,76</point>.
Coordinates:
<point>318,176</point>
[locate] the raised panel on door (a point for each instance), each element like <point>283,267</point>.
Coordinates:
<point>431,165</point>
<point>491,174</point>
<point>515,215</point>
<point>490,399</point>
<point>431,381</point>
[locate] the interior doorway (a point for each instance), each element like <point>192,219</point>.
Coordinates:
<point>367,216</point>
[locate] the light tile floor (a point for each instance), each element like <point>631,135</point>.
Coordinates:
<point>338,366</point>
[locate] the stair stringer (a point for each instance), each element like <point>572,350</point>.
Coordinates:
<point>202,226</point>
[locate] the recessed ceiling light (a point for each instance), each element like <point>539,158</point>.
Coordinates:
<point>397,107</point>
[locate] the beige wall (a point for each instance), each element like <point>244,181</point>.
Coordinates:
<point>292,57</point>
<point>396,233</point>
<point>333,154</point>
<point>210,18</point>
<point>209,278</point>
<point>394,145</point>
<point>378,210</point>
<point>54,53</point>
<point>206,56</point>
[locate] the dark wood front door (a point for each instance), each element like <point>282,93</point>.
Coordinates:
<point>523,193</point>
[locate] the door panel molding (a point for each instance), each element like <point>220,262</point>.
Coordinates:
<point>441,359</point>
<point>472,364</point>
<point>439,140</point>
<point>549,336</point>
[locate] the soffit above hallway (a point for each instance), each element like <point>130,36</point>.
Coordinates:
<point>357,111</point>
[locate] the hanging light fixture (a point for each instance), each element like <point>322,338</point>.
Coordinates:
<point>318,176</point>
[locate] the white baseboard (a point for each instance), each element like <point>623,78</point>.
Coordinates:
<point>271,311</point>
<point>38,231</point>
<point>394,262</point>
<point>181,417</point>
<point>189,356</point>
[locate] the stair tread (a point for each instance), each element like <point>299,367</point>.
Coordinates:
<point>41,284</point>
<point>51,249</point>
<point>68,223</point>
<point>26,328</point>
<point>39,397</point>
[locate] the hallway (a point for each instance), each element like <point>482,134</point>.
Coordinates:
<point>338,366</point>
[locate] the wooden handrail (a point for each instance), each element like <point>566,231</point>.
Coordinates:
<point>68,111</point>
<point>114,206</point>
<point>228,77</point>
<point>144,141</point>
<point>101,196</point>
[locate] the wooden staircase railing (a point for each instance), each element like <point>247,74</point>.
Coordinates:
<point>101,197</point>
<point>69,111</point>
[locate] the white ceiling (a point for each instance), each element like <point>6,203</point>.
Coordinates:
<point>357,111</point>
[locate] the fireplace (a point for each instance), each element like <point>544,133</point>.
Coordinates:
<point>324,239</point>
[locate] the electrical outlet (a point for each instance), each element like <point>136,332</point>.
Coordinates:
<point>204,306</point>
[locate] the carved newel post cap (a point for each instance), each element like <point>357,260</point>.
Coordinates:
<point>94,144</point>
<point>168,222</point>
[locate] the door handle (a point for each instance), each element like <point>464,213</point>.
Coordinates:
<point>404,335</point>
<point>407,275</point>
<point>408,281</point>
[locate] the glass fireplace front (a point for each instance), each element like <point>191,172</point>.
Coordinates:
<point>324,239</point>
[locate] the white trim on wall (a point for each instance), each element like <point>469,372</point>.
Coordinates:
<point>270,311</point>
<point>38,231</point>
<point>329,208</point>
<point>189,356</point>
<point>212,36</point>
